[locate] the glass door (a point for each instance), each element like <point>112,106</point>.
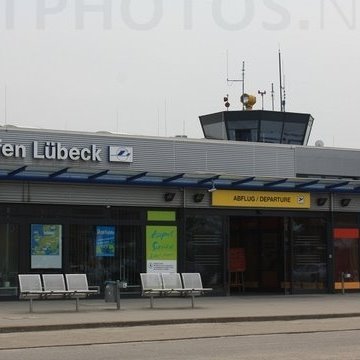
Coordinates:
<point>205,249</point>
<point>261,241</point>
<point>271,245</point>
<point>309,249</point>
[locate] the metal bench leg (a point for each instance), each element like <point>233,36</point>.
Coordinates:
<point>192,301</point>
<point>77,303</point>
<point>31,305</point>
<point>151,302</point>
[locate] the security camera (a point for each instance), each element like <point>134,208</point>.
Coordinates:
<point>212,190</point>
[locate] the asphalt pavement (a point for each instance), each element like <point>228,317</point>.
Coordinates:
<point>61,314</point>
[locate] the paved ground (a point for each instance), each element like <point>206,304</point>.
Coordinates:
<point>61,314</point>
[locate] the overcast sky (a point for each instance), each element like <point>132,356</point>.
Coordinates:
<point>151,67</point>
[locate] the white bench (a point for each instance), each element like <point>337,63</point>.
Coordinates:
<point>171,284</point>
<point>78,284</point>
<point>53,287</point>
<point>151,285</point>
<point>31,288</point>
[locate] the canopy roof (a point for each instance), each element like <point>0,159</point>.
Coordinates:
<point>188,180</point>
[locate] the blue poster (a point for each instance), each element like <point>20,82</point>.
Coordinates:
<point>105,241</point>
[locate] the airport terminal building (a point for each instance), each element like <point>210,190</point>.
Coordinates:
<point>251,206</point>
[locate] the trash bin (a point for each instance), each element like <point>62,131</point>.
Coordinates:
<point>112,291</point>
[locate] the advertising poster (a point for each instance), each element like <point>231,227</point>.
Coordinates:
<point>105,241</point>
<point>46,246</point>
<point>161,249</point>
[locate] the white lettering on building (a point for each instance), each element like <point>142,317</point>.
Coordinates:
<point>12,150</point>
<point>55,151</point>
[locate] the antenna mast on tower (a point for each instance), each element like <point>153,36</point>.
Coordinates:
<point>5,106</point>
<point>284,97</point>
<point>242,80</point>
<point>272,97</point>
<point>282,87</point>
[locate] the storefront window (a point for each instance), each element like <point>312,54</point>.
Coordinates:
<point>9,248</point>
<point>130,254</point>
<point>346,247</point>
<point>105,253</point>
<point>309,254</point>
<point>205,249</point>
<point>345,220</point>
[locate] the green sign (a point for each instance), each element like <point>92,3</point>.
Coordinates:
<point>161,216</point>
<point>161,243</point>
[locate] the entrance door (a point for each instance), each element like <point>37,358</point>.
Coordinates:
<point>271,254</point>
<point>282,254</point>
<point>309,268</point>
<point>261,240</point>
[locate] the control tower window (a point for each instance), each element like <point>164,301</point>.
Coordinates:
<point>270,131</point>
<point>243,130</point>
<point>294,133</point>
<point>244,135</point>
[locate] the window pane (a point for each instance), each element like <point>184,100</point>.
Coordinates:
<point>130,253</point>
<point>345,220</point>
<point>346,258</point>
<point>270,131</point>
<point>122,266</point>
<point>9,249</point>
<point>309,240</point>
<point>293,133</point>
<point>215,131</point>
<point>205,249</point>
<point>243,130</point>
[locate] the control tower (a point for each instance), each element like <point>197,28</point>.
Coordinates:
<point>258,126</point>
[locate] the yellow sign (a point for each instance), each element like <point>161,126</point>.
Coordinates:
<point>261,199</point>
